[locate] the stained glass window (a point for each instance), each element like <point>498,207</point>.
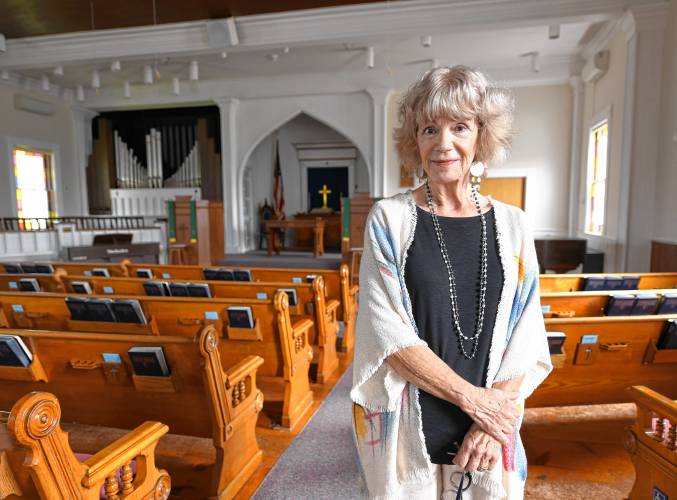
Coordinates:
<point>34,185</point>
<point>596,179</point>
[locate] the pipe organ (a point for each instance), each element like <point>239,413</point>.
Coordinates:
<point>171,153</point>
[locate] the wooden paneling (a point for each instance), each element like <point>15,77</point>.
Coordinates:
<point>663,256</point>
<point>101,169</point>
<point>210,163</point>
<point>509,190</point>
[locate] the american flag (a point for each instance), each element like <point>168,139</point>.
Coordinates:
<point>278,190</point>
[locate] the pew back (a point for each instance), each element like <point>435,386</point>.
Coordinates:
<point>586,304</point>
<point>574,282</point>
<point>46,282</point>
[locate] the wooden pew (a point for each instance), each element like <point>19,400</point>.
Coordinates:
<point>651,442</point>
<point>337,284</point>
<point>310,297</point>
<point>585,304</point>
<point>574,282</point>
<point>625,354</point>
<point>36,458</point>
<point>47,282</point>
<point>284,346</point>
<point>200,398</point>
<point>83,268</point>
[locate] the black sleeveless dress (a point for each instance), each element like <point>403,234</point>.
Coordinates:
<point>444,424</point>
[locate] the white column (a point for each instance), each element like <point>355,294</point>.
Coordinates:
<point>232,203</point>
<point>644,75</point>
<point>378,179</point>
<point>577,89</point>
<point>82,138</point>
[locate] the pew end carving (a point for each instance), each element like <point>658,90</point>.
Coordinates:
<point>55,471</point>
<point>652,442</point>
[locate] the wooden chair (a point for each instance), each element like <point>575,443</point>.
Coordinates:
<point>200,398</point>
<point>574,282</point>
<point>284,346</point>
<point>337,286</point>
<point>311,304</point>
<point>652,444</point>
<point>596,373</point>
<point>178,253</point>
<point>36,458</point>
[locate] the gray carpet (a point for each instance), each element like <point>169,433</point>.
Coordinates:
<point>321,462</point>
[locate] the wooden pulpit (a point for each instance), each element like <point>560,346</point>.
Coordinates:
<point>202,233</point>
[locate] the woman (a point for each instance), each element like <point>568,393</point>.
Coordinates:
<point>450,337</point>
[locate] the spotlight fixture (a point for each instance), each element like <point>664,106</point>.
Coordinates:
<point>194,71</point>
<point>426,41</point>
<point>553,31</point>
<point>96,79</point>
<point>4,74</point>
<point>224,55</point>
<point>273,57</point>
<point>285,50</point>
<point>58,71</point>
<point>44,83</point>
<point>3,44</point>
<point>535,62</point>
<point>370,57</point>
<point>126,89</point>
<point>115,66</point>
<point>80,93</point>
<point>147,74</point>
<point>176,86</point>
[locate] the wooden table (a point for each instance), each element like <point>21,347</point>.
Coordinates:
<point>273,228</point>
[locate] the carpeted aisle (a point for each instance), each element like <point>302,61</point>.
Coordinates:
<point>321,462</point>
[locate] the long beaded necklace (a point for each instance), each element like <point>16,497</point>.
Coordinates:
<point>481,303</point>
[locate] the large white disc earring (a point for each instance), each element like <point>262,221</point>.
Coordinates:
<point>477,170</point>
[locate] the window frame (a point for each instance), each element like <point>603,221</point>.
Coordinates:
<point>596,122</point>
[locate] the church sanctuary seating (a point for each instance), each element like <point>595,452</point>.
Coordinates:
<point>308,302</point>
<point>284,377</point>
<point>652,442</point>
<point>577,282</point>
<point>81,268</point>
<point>337,285</point>
<point>36,458</point>
<point>199,397</point>
<point>626,303</point>
<point>603,356</point>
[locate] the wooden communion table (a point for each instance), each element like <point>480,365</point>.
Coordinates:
<point>273,228</point>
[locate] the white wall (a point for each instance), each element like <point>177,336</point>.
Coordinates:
<point>540,152</point>
<point>47,131</point>
<point>666,201</point>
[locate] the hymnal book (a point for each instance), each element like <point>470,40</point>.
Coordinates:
<point>13,351</point>
<point>593,283</point>
<point>28,268</point>
<point>129,311</point>
<point>242,275</point>
<point>240,317</point>
<point>29,285</point>
<point>613,283</point>
<point>100,310</point>
<point>148,361</point>
<point>225,275</point>
<point>310,278</point>
<point>101,271</point>
<point>645,303</point>
<point>668,304</point>
<point>198,290</point>
<point>630,282</point>
<point>210,274</point>
<point>78,308</point>
<point>13,268</point>
<point>619,305</point>
<point>668,338</point>
<point>81,287</point>
<point>291,293</point>
<point>144,273</point>
<point>556,342</point>
<point>44,268</point>
<point>156,288</point>
<point>178,290</point>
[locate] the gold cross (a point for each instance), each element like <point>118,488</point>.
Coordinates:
<point>324,192</point>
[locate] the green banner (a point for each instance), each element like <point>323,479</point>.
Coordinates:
<point>193,221</point>
<point>172,221</point>
<point>346,218</point>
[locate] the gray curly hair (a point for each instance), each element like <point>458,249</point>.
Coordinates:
<point>456,92</point>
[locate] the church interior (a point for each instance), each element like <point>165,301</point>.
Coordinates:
<point>184,194</point>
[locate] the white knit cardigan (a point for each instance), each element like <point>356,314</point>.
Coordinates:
<point>386,410</point>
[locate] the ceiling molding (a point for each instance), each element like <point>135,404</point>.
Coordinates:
<point>308,27</point>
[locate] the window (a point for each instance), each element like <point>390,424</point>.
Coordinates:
<point>34,184</point>
<point>595,196</point>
